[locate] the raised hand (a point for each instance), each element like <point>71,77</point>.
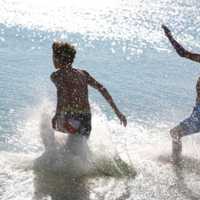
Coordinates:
<point>167,31</point>
<point>179,49</point>
<point>122,119</point>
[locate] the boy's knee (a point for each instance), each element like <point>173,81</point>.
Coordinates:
<point>176,133</point>
<point>173,131</point>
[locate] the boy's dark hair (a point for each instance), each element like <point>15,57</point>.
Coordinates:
<point>64,51</point>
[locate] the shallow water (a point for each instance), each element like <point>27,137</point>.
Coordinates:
<point>119,42</point>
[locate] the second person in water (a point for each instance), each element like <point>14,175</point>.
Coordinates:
<point>191,124</point>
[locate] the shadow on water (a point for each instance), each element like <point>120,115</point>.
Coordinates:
<point>186,173</point>
<point>59,187</point>
<point>188,165</point>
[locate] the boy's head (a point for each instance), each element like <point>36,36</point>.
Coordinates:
<point>63,54</point>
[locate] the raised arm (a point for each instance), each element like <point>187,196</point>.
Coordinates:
<point>179,49</point>
<point>95,84</point>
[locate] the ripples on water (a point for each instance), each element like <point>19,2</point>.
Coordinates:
<point>118,40</point>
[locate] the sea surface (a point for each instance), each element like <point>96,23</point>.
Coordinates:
<point>122,45</point>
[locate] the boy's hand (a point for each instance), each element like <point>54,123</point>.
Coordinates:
<point>167,31</point>
<point>54,119</point>
<point>179,49</point>
<point>122,118</point>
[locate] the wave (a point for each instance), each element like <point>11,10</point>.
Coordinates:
<point>136,21</point>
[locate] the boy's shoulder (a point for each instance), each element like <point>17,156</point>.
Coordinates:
<point>55,74</point>
<point>60,73</point>
<point>81,71</point>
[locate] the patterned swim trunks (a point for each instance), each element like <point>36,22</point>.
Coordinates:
<point>73,123</point>
<point>191,124</point>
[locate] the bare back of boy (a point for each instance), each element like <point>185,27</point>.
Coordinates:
<point>72,90</point>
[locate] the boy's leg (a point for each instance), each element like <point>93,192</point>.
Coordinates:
<point>176,150</point>
<point>176,133</point>
<point>189,126</point>
<point>85,127</point>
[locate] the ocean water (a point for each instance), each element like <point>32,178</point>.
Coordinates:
<point>121,44</point>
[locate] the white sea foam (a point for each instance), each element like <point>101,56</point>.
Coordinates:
<point>61,162</point>
<point>55,156</point>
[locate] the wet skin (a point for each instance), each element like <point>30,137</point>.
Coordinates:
<point>72,90</point>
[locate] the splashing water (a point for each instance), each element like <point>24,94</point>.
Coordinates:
<point>67,160</point>
<point>146,78</point>
<point>71,154</point>
<point>76,168</point>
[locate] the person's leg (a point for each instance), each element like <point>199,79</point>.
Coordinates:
<point>85,127</point>
<point>189,126</point>
<point>177,133</point>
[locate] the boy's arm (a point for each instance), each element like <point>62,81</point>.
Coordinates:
<point>58,111</point>
<point>95,84</point>
<point>179,49</point>
<point>54,79</point>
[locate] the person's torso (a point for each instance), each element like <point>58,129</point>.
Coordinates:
<point>72,90</point>
<point>198,91</point>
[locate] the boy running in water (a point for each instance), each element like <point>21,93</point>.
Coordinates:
<point>190,125</point>
<point>73,113</point>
